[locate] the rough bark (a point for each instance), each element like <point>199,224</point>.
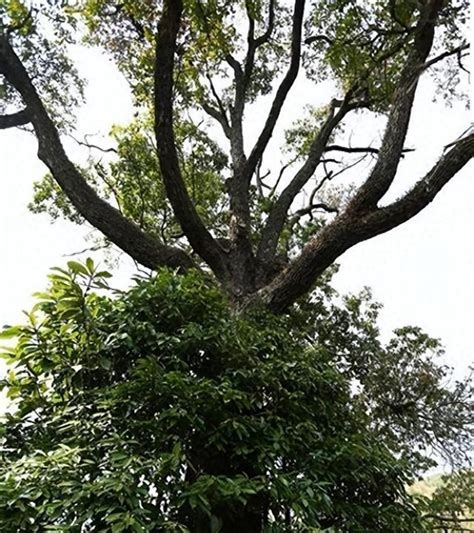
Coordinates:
<point>363,219</point>
<point>197,234</point>
<point>393,141</point>
<point>13,120</point>
<point>240,267</point>
<point>125,234</point>
<point>351,228</point>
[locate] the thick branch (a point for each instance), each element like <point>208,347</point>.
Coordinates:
<point>424,192</point>
<point>236,115</point>
<point>125,234</point>
<point>243,262</point>
<point>244,168</point>
<point>349,229</point>
<point>391,149</point>
<point>20,118</point>
<point>281,93</point>
<point>195,231</point>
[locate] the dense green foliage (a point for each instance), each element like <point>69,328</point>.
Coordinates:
<point>158,409</point>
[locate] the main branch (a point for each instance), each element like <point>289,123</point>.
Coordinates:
<point>350,228</point>
<point>125,234</point>
<point>393,141</point>
<point>199,237</point>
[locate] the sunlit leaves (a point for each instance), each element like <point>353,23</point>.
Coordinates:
<point>366,43</point>
<point>360,44</point>
<point>48,197</point>
<point>453,501</point>
<point>126,30</point>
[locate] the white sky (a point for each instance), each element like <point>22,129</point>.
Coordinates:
<point>421,271</point>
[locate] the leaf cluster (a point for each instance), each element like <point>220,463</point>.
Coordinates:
<point>160,409</point>
<point>42,31</point>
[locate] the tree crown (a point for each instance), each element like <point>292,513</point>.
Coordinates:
<point>184,189</point>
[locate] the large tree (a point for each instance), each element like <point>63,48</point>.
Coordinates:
<point>196,202</point>
<point>182,407</point>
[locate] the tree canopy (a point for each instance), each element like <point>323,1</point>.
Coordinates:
<point>188,190</point>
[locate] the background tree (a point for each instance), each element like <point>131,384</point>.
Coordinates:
<point>451,504</point>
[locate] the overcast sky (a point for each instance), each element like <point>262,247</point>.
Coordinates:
<point>421,272</point>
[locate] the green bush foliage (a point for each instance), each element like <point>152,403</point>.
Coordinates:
<point>160,409</point>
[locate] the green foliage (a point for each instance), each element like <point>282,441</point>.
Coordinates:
<point>133,179</point>
<point>40,32</point>
<point>453,501</point>
<point>48,197</point>
<point>448,500</point>
<point>126,30</point>
<point>160,409</point>
<point>351,44</point>
<point>299,137</point>
<point>365,44</point>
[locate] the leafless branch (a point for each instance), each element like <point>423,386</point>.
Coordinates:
<point>260,179</point>
<point>94,248</point>
<point>13,120</point>
<point>448,53</point>
<point>276,218</point>
<point>93,146</point>
<point>283,169</point>
<point>358,149</point>
<point>314,207</point>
